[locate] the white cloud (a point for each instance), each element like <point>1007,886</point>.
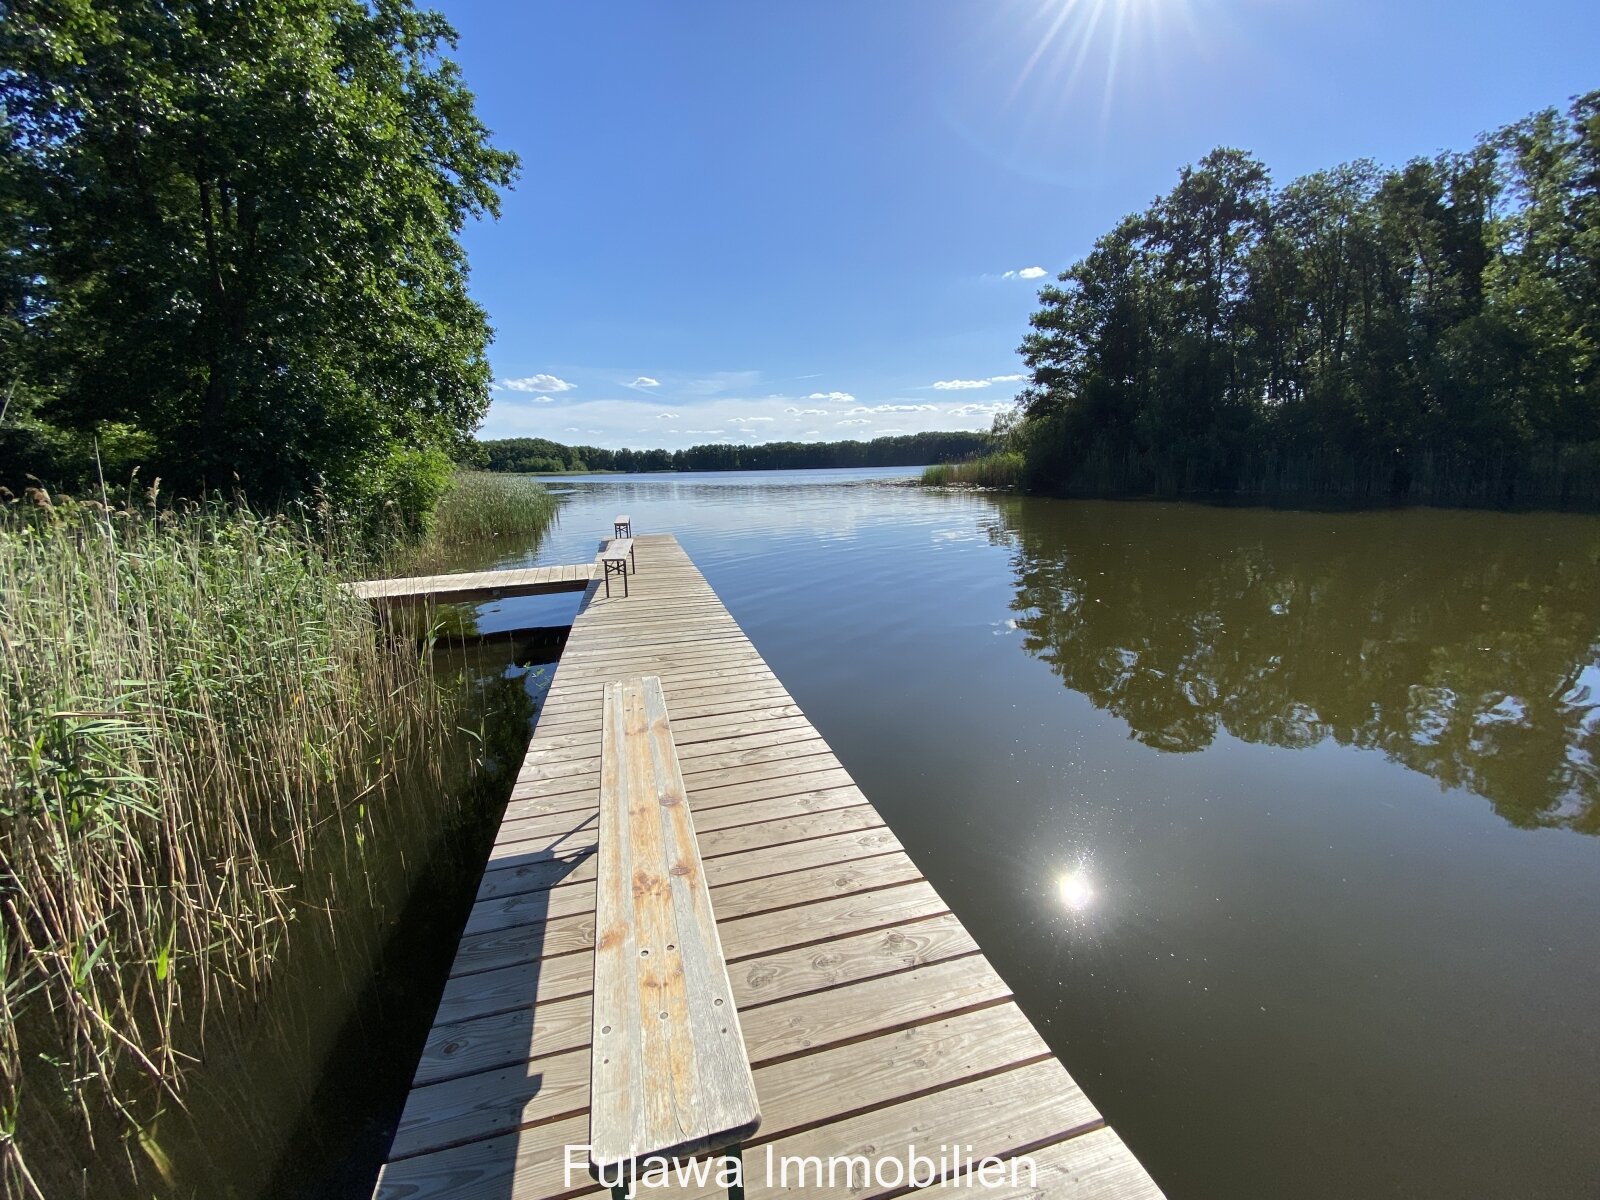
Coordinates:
<point>614,420</point>
<point>644,381</point>
<point>541,384</point>
<point>1026,273</point>
<point>836,397</point>
<point>960,385</point>
<point>855,421</point>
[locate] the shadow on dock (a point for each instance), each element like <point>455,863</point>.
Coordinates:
<point>509,1006</point>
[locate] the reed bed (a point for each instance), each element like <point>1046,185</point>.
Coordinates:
<point>1004,470</point>
<point>482,508</point>
<point>201,738</point>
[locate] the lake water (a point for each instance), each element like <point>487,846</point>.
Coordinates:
<point>1281,825</point>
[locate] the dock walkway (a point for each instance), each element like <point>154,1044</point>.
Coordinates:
<point>479,585</point>
<point>872,1019</point>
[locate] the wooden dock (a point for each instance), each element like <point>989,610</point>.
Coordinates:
<point>872,1020</point>
<point>479,585</point>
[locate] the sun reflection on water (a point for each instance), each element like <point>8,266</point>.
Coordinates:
<point>1076,890</point>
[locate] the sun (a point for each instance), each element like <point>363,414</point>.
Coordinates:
<point>1074,40</point>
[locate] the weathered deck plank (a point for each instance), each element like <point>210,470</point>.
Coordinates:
<point>871,1018</point>
<point>478,585</point>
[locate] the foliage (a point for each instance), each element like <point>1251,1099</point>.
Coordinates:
<point>233,238</point>
<point>199,735</point>
<point>1338,335</point>
<point>906,450</point>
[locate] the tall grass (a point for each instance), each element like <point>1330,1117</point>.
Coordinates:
<point>1003,470</point>
<point>483,508</point>
<point>200,739</point>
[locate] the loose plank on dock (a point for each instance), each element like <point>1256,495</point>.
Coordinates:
<point>479,585</point>
<point>668,1070</point>
<point>871,1018</point>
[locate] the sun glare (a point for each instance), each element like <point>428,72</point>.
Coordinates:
<point>1076,41</point>
<point>1077,893</point>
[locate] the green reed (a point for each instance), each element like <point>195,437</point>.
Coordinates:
<point>993,471</point>
<point>482,507</point>
<point>201,736</point>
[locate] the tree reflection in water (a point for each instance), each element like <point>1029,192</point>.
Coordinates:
<point>1461,644</point>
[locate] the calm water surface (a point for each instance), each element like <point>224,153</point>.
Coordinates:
<point>1282,825</point>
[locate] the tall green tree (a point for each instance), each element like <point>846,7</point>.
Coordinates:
<point>235,242</point>
<point>1428,332</point>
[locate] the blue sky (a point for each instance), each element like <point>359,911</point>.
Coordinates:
<point>761,220</point>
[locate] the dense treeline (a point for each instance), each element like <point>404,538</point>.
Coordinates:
<point>908,450</point>
<point>231,249</point>
<point>1430,332</point>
